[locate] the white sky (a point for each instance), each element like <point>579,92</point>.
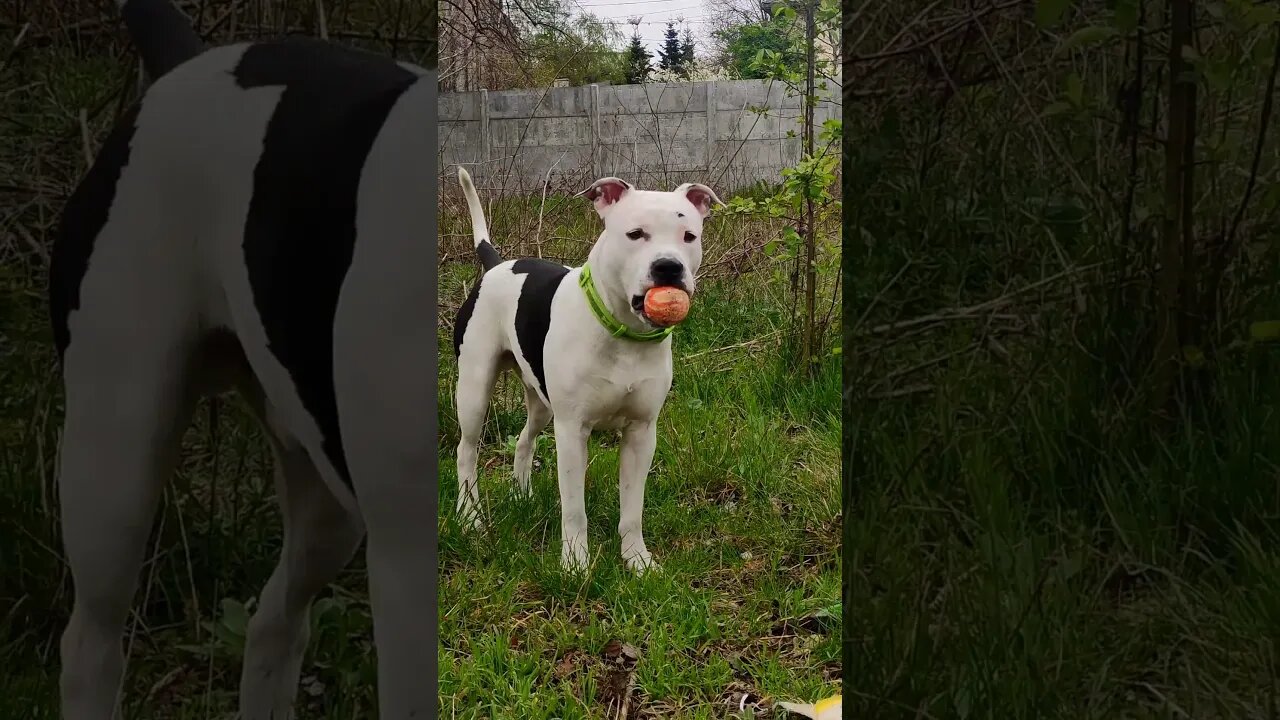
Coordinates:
<point>654,15</point>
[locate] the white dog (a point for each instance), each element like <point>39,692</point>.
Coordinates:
<point>256,222</point>
<point>583,346</point>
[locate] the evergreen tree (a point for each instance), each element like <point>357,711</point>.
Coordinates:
<point>636,63</point>
<point>686,53</point>
<point>670,56</point>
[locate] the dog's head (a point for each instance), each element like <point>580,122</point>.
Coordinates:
<point>650,238</point>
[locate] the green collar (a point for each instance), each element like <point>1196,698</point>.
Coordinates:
<point>606,318</point>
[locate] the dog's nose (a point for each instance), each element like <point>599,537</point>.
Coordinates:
<point>667,271</point>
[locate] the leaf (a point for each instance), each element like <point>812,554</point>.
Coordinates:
<point>235,616</point>
<point>963,702</point>
<point>1265,330</point>
<point>1126,18</point>
<point>1074,90</point>
<point>791,237</point>
<point>1056,108</point>
<point>1085,37</point>
<point>1193,356</point>
<point>1049,12</point>
<point>1262,14</point>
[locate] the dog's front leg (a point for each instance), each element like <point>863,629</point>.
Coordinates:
<point>571,469</point>
<point>636,457</point>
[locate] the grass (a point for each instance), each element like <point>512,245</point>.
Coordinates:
<point>1024,539</point>
<point>742,509</point>
<point>742,506</point>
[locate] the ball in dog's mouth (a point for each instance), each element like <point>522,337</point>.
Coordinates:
<point>662,306</point>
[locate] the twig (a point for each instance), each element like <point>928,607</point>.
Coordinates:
<point>323,27</point>
<point>745,343</point>
<point>900,392</point>
<point>546,180</point>
<point>975,310</point>
<point>17,41</point>
<point>85,138</point>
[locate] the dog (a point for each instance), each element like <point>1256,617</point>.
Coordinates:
<point>588,355</point>
<point>256,221</point>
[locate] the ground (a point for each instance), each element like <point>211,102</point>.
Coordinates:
<point>742,509</point>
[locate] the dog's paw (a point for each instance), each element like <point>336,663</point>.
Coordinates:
<point>641,563</point>
<point>523,487</point>
<point>471,520</point>
<point>573,560</point>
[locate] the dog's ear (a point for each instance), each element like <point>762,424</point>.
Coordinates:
<point>700,195</point>
<point>604,192</point>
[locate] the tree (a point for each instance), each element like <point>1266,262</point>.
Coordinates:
<point>687,58</point>
<point>636,66</point>
<point>671,56</point>
<point>743,44</point>
<point>584,52</point>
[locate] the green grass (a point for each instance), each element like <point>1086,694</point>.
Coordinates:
<point>742,506</point>
<point>742,509</point>
<point>1024,539</point>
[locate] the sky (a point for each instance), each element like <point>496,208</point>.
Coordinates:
<point>654,15</point>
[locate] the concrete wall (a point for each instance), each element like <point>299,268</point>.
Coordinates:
<point>727,134</point>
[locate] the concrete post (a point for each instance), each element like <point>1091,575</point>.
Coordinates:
<point>486,143</point>
<point>711,126</point>
<point>597,159</point>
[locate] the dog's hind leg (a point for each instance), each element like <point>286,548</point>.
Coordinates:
<point>320,538</point>
<point>127,405</point>
<point>476,378</point>
<point>538,415</point>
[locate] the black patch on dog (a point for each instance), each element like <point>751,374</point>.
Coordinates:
<point>489,257</point>
<point>83,218</point>
<point>533,311</point>
<point>301,230</point>
<point>464,316</point>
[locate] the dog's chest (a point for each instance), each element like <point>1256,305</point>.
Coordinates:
<point>617,391</point>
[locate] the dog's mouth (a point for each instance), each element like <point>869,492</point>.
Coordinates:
<point>637,306</point>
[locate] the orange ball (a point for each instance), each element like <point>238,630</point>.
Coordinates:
<point>666,305</point>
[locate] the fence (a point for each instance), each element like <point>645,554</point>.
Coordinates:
<point>728,134</point>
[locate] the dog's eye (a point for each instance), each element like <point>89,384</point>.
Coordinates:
<point>689,237</point>
<point>636,234</point>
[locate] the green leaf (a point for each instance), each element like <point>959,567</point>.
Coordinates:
<point>1193,355</point>
<point>771,247</point>
<point>1056,108</point>
<point>1126,18</point>
<point>1049,12</point>
<point>791,237</point>
<point>1074,90</point>
<point>235,616</point>
<point>1262,14</point>
<point>1265,330</point>
<point>1085,37</point>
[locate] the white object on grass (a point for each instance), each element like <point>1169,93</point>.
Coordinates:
<point>828,709</point>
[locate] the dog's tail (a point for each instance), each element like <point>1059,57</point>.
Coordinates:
<point>162,33</point>
<point>485,250</point>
